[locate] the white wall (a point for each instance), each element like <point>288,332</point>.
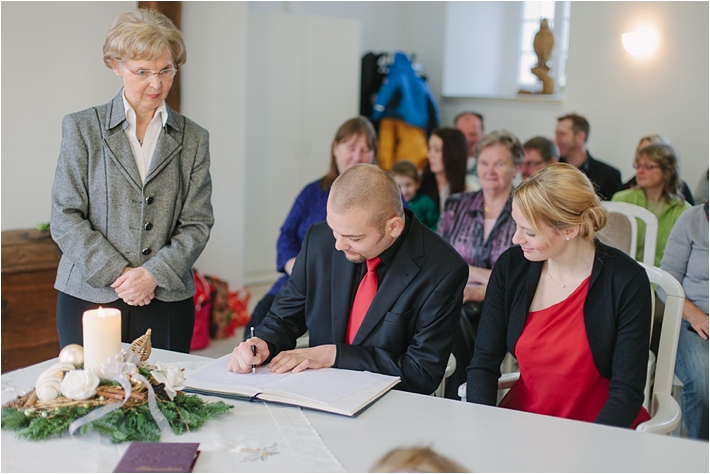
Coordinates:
<point>624,98</point>
<point>293,116</point>
<point>51,65</point>
<point>214,95</point>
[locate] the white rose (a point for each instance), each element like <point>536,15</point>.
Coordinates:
<point>79,384</point>
<point>171,376</point>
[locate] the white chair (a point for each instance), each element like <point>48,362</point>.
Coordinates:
<point>450,368</point>
<point>621,229</point>
<point>620,232</point>
<point>664,409</point>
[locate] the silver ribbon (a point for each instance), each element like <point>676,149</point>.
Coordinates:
<point>121,369</point>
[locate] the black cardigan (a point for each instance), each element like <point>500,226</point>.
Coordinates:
<point>617,317</point>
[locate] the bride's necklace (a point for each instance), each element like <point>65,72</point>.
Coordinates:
<point>555,281</point>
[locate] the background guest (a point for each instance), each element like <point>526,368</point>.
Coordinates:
<point>131,207</point>
<point>656,138</point>
<point>445,171</point>
<point>657,177</point>
<point>354,143</point>
<point>701,190</point>
<point>480,227</point>
<point>571,137</point>
<point>573,311</point>
<point>686,258</point>
<point>538,153</point>
<point>406,175</point>
<point>471,124</point>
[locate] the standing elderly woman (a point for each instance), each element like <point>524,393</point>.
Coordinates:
<point>573,311</point>
<point>480,227</point>
<point>131,207</point>
<point>354,143</point>
<point>658,191</point>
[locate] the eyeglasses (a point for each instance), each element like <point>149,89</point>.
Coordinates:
<point>533,164</point>
<point>645,167</point>
<point>145,75</point>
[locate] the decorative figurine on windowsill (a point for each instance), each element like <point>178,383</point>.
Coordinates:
<point>543,43</point>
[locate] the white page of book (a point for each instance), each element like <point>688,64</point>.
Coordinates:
<point>322,385</point>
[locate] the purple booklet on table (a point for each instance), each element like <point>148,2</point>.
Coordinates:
<point>158,457</point>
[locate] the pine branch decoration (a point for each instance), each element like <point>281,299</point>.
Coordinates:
<point>185,413</point>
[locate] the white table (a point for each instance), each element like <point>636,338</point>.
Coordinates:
<point>483,439</point>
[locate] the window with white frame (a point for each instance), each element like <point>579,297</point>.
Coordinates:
<point>488,47</point>
<point>557,15</point>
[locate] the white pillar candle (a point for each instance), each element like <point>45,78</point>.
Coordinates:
<point>102,337</point>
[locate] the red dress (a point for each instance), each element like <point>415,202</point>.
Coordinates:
<point>557,373</point>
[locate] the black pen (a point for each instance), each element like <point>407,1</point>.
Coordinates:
<point>253,352</point>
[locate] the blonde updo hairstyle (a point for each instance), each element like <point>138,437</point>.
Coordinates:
<point>143,34</point>
<point>560,196</point>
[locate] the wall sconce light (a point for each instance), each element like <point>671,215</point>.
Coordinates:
<point>642,42</point>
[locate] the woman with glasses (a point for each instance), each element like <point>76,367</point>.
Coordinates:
<point>657,190</point>
<point>654,138</point>
<point>131,208</point>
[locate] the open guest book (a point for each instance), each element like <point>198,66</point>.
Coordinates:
<point>340,391</point>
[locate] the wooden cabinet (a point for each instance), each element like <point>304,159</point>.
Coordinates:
<point>29,300</point>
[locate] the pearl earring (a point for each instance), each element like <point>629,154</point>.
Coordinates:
<point>567,238</point>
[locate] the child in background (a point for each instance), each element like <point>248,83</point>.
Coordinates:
<point>406,176</point>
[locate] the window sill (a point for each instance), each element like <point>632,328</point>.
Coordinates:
<point>519,97</point>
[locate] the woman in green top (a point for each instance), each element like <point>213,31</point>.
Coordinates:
<point>657,190</point>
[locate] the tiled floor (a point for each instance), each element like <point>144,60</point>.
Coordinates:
<point>220,347</point>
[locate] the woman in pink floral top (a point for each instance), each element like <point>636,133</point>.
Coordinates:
<point>480,227</point>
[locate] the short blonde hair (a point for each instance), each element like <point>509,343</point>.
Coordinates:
<point>560,196</point>
<point>416,459</point>
<point>143,34</point>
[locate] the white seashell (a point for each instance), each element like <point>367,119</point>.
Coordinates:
<point>48,389</point>
<point>47,385</point>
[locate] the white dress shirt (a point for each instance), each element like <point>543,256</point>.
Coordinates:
<point>143,153</point>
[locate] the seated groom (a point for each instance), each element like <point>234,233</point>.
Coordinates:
<point>375,288</point>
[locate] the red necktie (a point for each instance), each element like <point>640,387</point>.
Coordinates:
<point>363,298</point>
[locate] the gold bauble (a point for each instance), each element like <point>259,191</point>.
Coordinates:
<point>73,354</point>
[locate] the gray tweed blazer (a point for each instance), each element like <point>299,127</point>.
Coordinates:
<point>104,219</point>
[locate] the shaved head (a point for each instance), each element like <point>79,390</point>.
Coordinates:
<point>370,188</point>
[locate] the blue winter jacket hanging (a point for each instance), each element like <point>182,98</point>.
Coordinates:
<point>406,96</point>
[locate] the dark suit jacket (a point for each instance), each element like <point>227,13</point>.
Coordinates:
<point>606,178</point>
<point>409,328</point>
